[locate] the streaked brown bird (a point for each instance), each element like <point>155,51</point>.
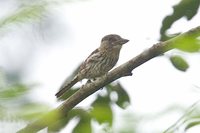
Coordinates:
<point>99,62</point>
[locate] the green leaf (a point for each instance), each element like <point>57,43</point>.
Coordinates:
<point>186,8</point>
<point>83,126</point>
<point>30,111</point>
<point>32,12</point>
<point>85,121</point>
<point>188,44</point>
<point>102,111</point>
<point>179,63</point>
<point>80,113</point>
<point>13,91</point>
<point>123,98</point>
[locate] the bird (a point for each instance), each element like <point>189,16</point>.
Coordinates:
<point>99,62</point>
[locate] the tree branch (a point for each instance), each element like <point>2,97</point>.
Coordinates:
<point>123,70</point>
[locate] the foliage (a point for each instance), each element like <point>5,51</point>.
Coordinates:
<point>15,103</point>
<point>25,13</point>
<point>16,94</point>
<point>28,12</point>
<point>101,108</point>
<point>188,9</point>
<point>190,119</point>
<point>191,44</point>
<point>179,63</point>
<point>185,8</point>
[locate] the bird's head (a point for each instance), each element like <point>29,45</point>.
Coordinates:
<point>113,41</point>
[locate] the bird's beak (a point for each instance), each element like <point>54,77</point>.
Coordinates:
<point>123,41</point>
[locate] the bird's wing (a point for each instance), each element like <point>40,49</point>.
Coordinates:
<point>92,58</point>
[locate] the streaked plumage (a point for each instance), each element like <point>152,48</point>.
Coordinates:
<point>99,62</point>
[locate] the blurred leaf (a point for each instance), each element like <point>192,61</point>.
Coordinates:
<point>190,119</point>
<point>13,92</point>
<point>30,111</point>
<point>102,111</point>
<point>193,123</point>
<point>59,124</point>
<point>188,44</point>
<point>24,14</point>
<point>84,125</point>
<point>123,99</point>
<point>187,8</point>
<point>85,121</point>
<point>78,112</point>
<point>179,63</point>
<point>2,112</point>
<point>14,102</point>
<point>29,11</point>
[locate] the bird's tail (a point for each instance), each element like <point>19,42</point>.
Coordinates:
<point>67,87</point>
